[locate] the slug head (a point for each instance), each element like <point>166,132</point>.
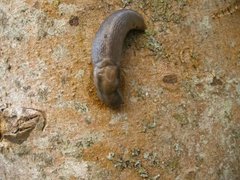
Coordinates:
<point>107,83</point>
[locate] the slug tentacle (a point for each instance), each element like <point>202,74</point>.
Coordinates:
<point>107,50</point>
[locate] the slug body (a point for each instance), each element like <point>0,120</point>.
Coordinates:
<point>107,50</point>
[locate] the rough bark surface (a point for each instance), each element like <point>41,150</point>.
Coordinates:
<point>181,117</point>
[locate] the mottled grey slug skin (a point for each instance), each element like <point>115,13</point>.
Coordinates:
<point>107,50</point>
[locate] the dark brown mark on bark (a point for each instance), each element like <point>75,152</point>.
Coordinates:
<point>74,21</point>
<point>170,79</point>
<point>216,82</point>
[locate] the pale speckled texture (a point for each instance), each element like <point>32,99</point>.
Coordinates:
<point>181,91</point>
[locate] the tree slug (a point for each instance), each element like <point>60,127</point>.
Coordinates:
<point>107,50</point>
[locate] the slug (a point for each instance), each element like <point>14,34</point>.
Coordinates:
<point>106,53</point>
